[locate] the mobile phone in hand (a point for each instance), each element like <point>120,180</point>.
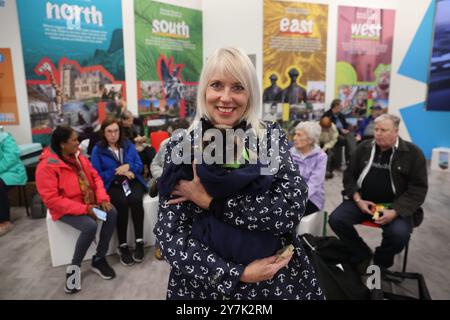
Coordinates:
<point>101,215</point>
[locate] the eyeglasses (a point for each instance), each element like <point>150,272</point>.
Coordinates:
<point>112,131</point>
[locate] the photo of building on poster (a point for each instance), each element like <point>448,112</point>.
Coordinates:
<point>295,42</point>
<point>169,54</point>
<point>364,55</point>
<point>74,63</point>
<point>439,78</point>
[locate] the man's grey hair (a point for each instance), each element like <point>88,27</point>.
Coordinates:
<point>386,116</point>
<point>312,130</point>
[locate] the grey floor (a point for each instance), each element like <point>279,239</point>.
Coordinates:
<point>26,271</point>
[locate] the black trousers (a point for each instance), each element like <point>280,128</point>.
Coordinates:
<point>123,204</point>
<point>4,202</point>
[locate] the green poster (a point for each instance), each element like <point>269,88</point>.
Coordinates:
<point>169,56</point>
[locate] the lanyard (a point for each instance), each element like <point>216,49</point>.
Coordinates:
<point>120,157</point>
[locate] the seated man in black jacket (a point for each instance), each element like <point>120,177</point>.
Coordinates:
<point>386,170</point>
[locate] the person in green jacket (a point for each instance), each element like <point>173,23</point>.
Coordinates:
<point>12,173</point>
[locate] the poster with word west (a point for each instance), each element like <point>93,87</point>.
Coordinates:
<point>74,63</point>
<point>364,55</point>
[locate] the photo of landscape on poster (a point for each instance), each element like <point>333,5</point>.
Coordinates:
<point>294,61</point>
<point>74,63</point>
<point>8,101</point>
<point>364,55</point>
<point>439,78</point>
<point>169,54</point>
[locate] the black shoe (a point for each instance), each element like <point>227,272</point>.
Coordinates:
<point>138,254</point>
<point>73,285</point>
<point>102,268</point>
<point>125,255</point>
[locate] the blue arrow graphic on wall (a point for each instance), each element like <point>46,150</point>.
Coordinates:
<point>428,129</point>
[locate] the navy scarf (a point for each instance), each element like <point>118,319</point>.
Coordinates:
<point>241,246</point>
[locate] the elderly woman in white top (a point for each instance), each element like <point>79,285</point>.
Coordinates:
<point>311,161</point>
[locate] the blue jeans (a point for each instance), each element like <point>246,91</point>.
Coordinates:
<point>88,228</point>
<point>395,234</point>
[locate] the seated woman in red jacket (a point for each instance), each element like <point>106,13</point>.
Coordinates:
<point>74,193</point>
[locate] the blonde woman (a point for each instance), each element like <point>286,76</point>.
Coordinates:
<point>229,96</point>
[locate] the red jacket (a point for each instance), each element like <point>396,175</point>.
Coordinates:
<point>57,183</point>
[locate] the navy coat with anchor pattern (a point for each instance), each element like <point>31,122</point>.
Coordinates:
<point>199,273</point>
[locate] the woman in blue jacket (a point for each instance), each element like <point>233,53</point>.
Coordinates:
<point>120,167</point>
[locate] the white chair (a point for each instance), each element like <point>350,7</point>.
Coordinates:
<point>312,223</point>
<point>62,237</point>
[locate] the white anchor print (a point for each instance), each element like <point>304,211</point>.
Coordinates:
<point>289,288</point>
<point>238,221</point>
<point>234,272</point>
<point>227,284</point>
<point>183,255</point>
<point>278,292</point>
<point>259,199</point>
<point>189,269</point>
<point>196,257</point>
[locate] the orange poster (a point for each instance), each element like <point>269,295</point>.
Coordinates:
<point>8,103</point>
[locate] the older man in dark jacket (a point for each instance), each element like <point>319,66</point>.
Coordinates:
<point>389,171</point>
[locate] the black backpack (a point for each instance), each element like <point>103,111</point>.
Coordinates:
<point>337,277</point>
<point>38,209</point>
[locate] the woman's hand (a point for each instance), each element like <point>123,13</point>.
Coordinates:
<point>264,269</point>
<point>120,171</point>
<point>91,213</point>
<point>129,174</point>
<point>191,191</point>
<point>106,206</point>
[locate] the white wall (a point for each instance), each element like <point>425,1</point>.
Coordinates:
<point>10,38</point>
